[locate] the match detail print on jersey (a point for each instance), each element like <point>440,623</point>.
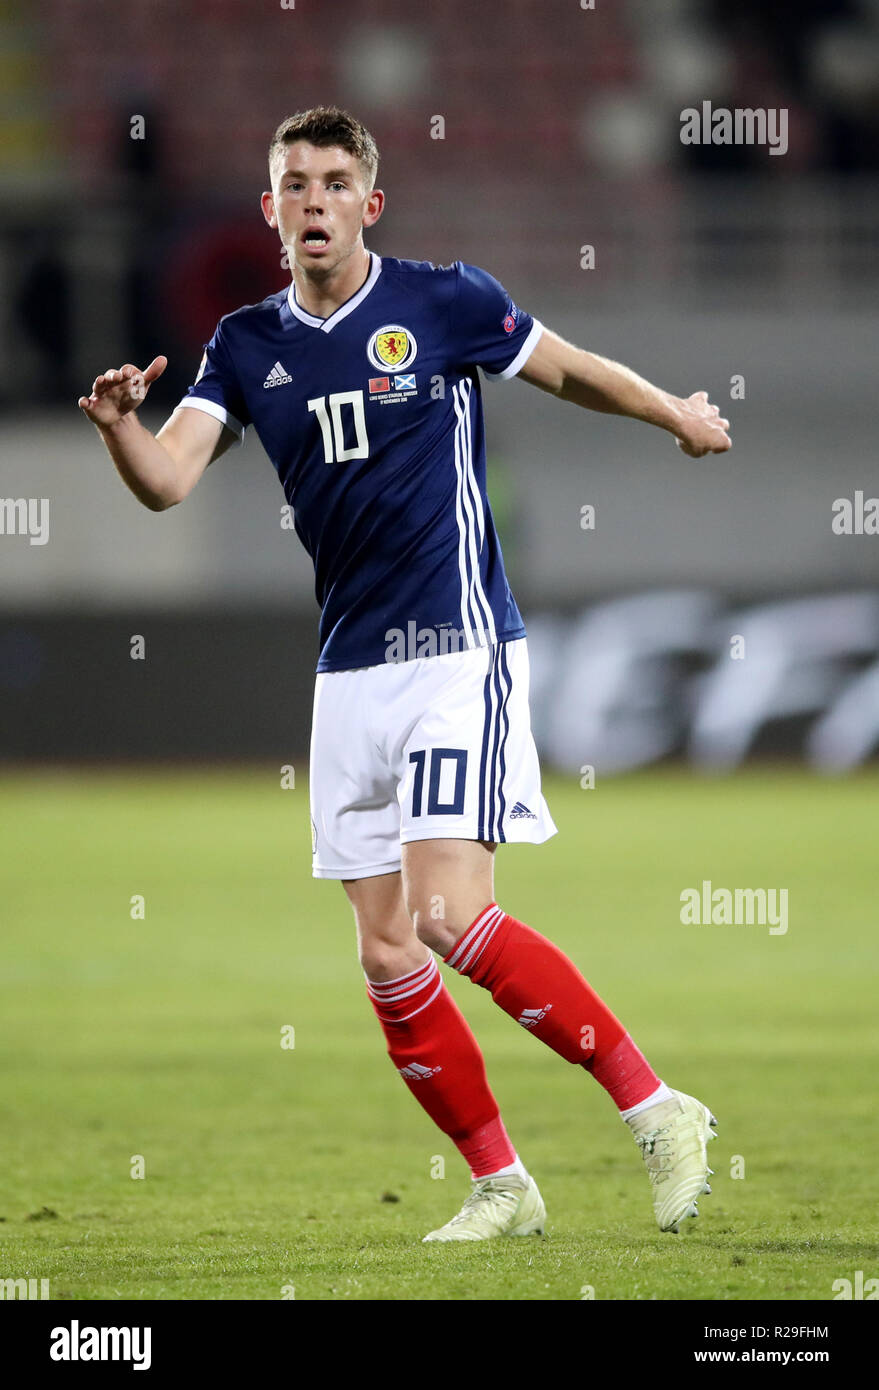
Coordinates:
<point>373,421</point>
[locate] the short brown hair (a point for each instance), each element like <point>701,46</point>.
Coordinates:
<point>325,126</point>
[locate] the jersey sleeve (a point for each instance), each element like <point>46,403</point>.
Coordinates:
<point>216,390</point>
<point>487,328</point>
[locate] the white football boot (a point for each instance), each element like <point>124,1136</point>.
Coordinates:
<point>672,1137</point>
<point>506,1206</point>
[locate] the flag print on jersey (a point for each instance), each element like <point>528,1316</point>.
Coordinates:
<point>386,482</point>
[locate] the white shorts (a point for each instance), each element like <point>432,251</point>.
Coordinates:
<point>435,748</point>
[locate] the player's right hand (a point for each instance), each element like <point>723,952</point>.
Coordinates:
<point>703,430</point>
<point>119,391</point>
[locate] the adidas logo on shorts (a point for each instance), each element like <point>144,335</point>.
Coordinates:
<point>278,376</point>
<point>520,812</point>
<point>529,1018</point>
<point>416,1072</point>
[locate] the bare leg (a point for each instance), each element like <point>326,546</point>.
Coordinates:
<point>386,941</point>
<point>446,883</point>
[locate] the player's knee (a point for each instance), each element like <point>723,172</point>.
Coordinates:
<point>382,960</point>
<point>435,932</point>
<point>388,950</point>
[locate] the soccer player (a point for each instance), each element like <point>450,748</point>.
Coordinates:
<point>361,380</point>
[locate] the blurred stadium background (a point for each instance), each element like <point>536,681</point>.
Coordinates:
<point>718,267</point>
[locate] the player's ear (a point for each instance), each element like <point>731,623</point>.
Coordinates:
<point>374,207</point>
<point>267,203</point>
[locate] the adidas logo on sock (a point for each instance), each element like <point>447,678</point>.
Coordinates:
<point>278,376</point>
<point>520,811</point>
<point>529,1018</point>
<point>416,1072</point>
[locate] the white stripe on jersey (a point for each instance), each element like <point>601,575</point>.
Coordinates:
<point>462,529</point>
<point>470,477</point>
<point>471,524</point>
<point>459,395</point>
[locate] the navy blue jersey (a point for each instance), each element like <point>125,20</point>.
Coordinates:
<point>373,421</point>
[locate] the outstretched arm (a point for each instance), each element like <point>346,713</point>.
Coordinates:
<point>598,384</point>
<point>159,469</point>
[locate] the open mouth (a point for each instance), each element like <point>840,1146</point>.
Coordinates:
<point>315,238</point>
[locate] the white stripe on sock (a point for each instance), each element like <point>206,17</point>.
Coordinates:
<point>387,989</point>
<point>517,1167</point>
<point>469,935</point>
<point>661,1093</point>
<point>481,942</point>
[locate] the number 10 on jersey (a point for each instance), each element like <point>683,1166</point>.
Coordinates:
<point>332,425</point>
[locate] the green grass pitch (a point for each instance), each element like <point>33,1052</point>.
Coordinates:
<point>270,1170</point>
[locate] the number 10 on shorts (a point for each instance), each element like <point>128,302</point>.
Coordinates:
<point>445,764</point>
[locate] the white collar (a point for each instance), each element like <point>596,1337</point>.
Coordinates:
<point>326,325</point>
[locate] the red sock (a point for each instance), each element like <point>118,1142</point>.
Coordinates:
<point>533,981</point>
<point>432,1047</point>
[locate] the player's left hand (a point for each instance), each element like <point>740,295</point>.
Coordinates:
<point>702,430</point>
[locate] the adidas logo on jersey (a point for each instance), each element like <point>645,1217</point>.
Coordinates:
<point>529,1018</point>
<point>520,811</point>
<point>416,1072</point>
<point>278,376</point>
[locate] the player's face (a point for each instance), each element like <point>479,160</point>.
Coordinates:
<point>320,205</point>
